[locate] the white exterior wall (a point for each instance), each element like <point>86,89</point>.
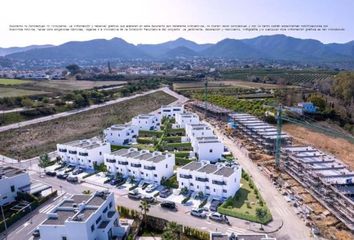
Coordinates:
<point>163,168</point>
<point>209,151</point>
<point>232,182</point>
<point>183,119</point>
<point>73,230</point>
<point>120,137</point>
<point>146,122</point>
<point>15,182</point>
<point>200,132</point>
<point>171,111</point>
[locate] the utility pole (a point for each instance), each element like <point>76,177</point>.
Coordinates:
<point>206,97</point>
<point>278,139</point>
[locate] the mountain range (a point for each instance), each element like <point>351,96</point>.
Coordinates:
<point>274,47</point>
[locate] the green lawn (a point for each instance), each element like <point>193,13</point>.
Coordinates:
<point>244,204</point>
<point>14,92</point>
<point>6,81</point>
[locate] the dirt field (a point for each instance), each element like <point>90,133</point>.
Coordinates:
<point>73,84</point>
<point>14,92</point>
<point>30,141</point>
<point>341,148</point>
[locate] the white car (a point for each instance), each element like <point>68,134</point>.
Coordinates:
<point>198,213</point>
<point>151,188</point>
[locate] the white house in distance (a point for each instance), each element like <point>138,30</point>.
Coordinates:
<point>120,134</point>
<point>182,119</point>
<point>146,122</point>
<point>171,110</point>
<point>89,217</point>
<point>198,130</point>
<point>217,180</point>
<point>11,180</point>
<point>208,148</point>
<point>84,153</point>
<point>143,165</point>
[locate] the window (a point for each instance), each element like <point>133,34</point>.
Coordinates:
<point>224,191</point>
<point>155,175</point>
<point>12,188</point>
<point>110,205</point>
<point>92,228</point>
<point>214,189</point>
<point>166,165</point>
<point>182,184</point>
<point>207,187</point>
<point>211,150</point>
<point>192,184</point>
<point>64,238</point>
<point>98,219</point>
<point>197,186</point>
<point>105,210</point>
<point>100,153</point>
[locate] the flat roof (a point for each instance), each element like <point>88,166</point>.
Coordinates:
<point>208,168</point>
<point>158,158</point>
<point>61,217</point>
<point>9,171</point>
<point>192,166</point>
<point>119,127</point>
<point>96,201</point>
<point>120,152</point>
<point>225,171</point>
<point>144,156</point>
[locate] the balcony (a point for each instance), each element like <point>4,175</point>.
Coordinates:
<point>135,165</point>
<point>62,150</point>
<point>185,176</point>
<point>219,182</point>
<point>122,163</point>
<point>110,160</point>
<point>199,179</point>
<point>72,152</point>
<point>83,154</point>
<point>150,167</point>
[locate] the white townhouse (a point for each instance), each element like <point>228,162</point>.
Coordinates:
<point>217,180</point>
<point>146,122</point>
<point>83,216</point>
<point>208,148</point>
<point>198,130</point>
<point>170,110</point>
<point>84,153</point>
<point>11,181</point>
<point>120,134</point>
<point>143,165</point>
<point>182,119</point>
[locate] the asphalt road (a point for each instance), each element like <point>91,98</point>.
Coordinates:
<point>75,111</point>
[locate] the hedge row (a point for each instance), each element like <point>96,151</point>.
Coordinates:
<point>182,154</point>
<point>182,161</point>
<point>144,140</point>
<point>172,139</point>
<point>145,133</point>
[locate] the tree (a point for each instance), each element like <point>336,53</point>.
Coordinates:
<point>184,191</point>
<point>73,69</point>
<point>44,161</point>
<point>176,229</point>
<point>200,195</point>
<point>145,208</point>
<point>26,102</point>
<point>318,101</point>
<point>343,86</point>
<point>261,213</point>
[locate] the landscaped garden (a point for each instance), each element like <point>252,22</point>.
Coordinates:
<point>247,203</point>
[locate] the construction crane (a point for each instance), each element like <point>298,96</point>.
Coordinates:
<point>281,116</point>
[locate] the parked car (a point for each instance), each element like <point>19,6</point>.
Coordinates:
<point>217,217</point>
<point>198,213</point>
<point>134,195</point>
<point>51,173</point>
<point>117,181</point>
<point>78,171</point>
<point>165,193</point>
<point>151,188</point>
<point>62,175</point>
<point>36,233</point>
<point>214,205</point>
<point>149,199</point>
<point>72,179</point>
<point>169,205</point>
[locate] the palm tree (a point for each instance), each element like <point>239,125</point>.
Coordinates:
<point>144,207</point>
<point>261,213</point>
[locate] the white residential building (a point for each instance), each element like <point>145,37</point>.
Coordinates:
<point>198,130</point>
<point>11,180</point>
<point>86,217</point>
<point>182,119</point>
<point>83,153</point>
<point>120,134</point>
<point>217,180</point>
<point>208,148</point>
<point>170,110</point>
<point>146,122</point>
<point>143,165</point>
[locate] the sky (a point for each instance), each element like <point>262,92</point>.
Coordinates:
<point>335,13</point>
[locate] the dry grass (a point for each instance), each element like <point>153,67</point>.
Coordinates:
<point>30,141</point>
<point>340,148</point>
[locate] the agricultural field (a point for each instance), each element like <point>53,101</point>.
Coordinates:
<point>17,92</point>
<point>6,81</point>
<point>32,140</point>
